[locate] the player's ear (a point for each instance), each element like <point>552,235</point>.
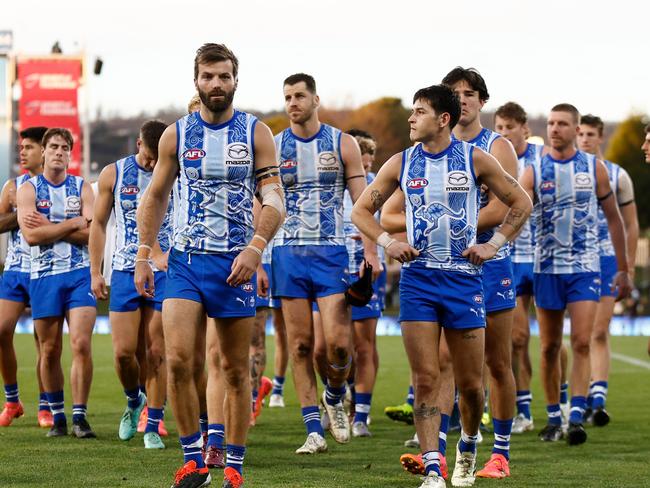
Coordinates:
<point>316,101</point>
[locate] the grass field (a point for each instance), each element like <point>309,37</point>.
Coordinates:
<point>614,456</point>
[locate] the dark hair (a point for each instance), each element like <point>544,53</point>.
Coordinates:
<point>567,107</point>
<point>150,134</point>
<point>298,77</point>
<point>58,131</point>
<point>647,129</point>
<point>473,79</point>
<point>34,133</point>
<point>360,133</point>
<point>213,53</point>
<point>593,121</point>
<point>512,111</point>
<point>442,100</point>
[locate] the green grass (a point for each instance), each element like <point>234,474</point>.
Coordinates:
<point>613,456</point>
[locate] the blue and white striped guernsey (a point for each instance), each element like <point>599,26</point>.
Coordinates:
<point>18,251</point>
<point>131,180</point>
<point>484,140</point>
<point>313,176</point>
<point>58,203</point>
<point>567,219</point>
<point>216,184</point>
<point>523,248</point>
<point>604,238</point>
<point>442,204</point>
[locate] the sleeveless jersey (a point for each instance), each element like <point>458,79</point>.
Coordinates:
<point>216,184</point>
<point>523,248</point>
<point>58,203</point>
<point>131,180</point>
<point>18,251</point>
<point>352,234</point>
<point>567,217</point>
<point>442,204</point>
<point>604,239</point>
<point>484,140</point>
<point>313,176</point>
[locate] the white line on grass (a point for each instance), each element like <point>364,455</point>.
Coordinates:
<point>630,360</point>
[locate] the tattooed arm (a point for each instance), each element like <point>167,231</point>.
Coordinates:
<point>507,190</point>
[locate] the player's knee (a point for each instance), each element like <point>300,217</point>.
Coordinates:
<point>425,383</point>
<point>235,372</point>
<point>301,350</point>
<point>81,347</point>
<point>177,367</point>
<point>601,336</point>
<point>551,349</point>
<point>339,354</point>
<point>155,355</point>
<point>499,365</point>
<point>50,351</point>
<point>364,351</point>
<point>581,344</point>
<point>520,340</point>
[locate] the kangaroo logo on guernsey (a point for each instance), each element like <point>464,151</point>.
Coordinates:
<point>417,183</point>
<point>194,154</point>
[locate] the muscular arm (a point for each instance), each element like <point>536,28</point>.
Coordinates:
<point>627,206</point>
<point>80,237</point>
<point>393,217</point>
<point>614,221</point>
<point>47,233</point>
<point>494,212</point>
<point>103,207</point>
<point>8,216</point>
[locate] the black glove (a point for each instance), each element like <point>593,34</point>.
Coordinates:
<point>360,292</point>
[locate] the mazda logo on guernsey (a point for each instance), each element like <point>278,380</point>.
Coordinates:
<point>327,158</point>
<point>417,183</point>
<point>457,181</point>
<point>237,151</point>
<point>129,190</point>
<point>582,180</point>
<point>43,203</point>
<point>193,154</point>
<point>73,203</point>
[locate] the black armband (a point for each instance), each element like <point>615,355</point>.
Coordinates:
<point>600,199</point>
<point>355,176</point>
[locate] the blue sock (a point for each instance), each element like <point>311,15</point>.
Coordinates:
<point>42,403</point>
<point>235,457</point>
<point>524,399</point>
<point>431,460</point>
<point>154,416</point>
<point>191,445</point>
<point>11,393</point>
<point>554,414</point>
<point>334,394</point>
<point>467,443</point>
<point>216,435</point>
<point>442,435</point>
<point>578,404</point>
<point>502,431</point>
<point>143,389</point>
<point>79,412</point>
<point>564,393</point>
<point>362,403</point>
<point>203,423</point>
<point>311,418</point>
<point>133,397</point>
<point>278,385</point>
<point>55,399</point>
<point>410,398</point>
<point>599,394</point>
<point>254,394</point>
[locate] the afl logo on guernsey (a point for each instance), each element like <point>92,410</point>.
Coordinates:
<point>417,183</point>
<point>193,154</point>
<point>327,161</point>
<point>43,203</point>
<point>247,287</point>
<point>457,181</point>
<point>129,190</point>
<point>548,185</point>
<point>478,298</point>
<point>238,155</point>
<point>288,164</point>
<point>506,282</point>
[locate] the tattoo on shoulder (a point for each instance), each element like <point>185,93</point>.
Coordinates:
<point>425,412</point>
<point>377,199</point>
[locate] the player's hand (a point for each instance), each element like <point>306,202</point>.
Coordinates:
<point>160,261</point>
<point>402,252</point>
<point>98,286</point>
<point>373,260</point>
<point>623,282</point>
<point>262,282</point>
<point>144,279</point>
<point>479,253</point>
<point>243,267</point>
<point>35,219</point>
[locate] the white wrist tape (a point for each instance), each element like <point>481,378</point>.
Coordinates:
<point>384,240</point>
<point>497,240</point>
<point>270,194</point>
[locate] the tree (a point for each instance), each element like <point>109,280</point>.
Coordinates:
<point>625,149</point>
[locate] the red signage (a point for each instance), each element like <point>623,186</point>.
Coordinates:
<point>49,97</point>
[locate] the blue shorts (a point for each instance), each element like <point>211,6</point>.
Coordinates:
<point>202,278</point>
<point>53,295</point>
<point>453,299</point>
<point>523,278</point>
<point>309,271</point>
<point>14,286</point>
<point>268,301</point>
<point>608,270</point>
<point>125,298</point>
<point>554,291</point>
<point>499,285</point>
<point>375,306</point>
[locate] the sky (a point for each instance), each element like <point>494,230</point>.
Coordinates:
<point>592,53</point>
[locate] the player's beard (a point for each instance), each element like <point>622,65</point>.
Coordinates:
<point>217,106</point>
